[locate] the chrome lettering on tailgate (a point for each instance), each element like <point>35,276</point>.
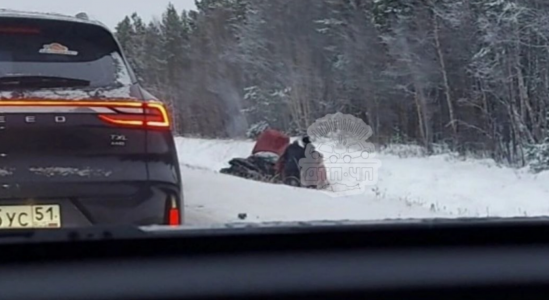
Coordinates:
<point>118,140</point>
<point>32,119</point>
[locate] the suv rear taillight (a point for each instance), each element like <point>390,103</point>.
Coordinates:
<point>173,212</point>
<point>149,116</point>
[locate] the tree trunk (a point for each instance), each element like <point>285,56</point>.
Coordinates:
<point>444,73</point>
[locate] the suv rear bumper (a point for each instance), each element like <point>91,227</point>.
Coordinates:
<point>88,204</point>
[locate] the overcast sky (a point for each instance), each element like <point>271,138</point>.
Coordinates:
<point>109,12</point>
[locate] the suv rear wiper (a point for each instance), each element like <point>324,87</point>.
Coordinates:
<point>40,82</point>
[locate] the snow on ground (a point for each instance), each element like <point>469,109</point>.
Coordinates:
<point>440,186</point>
<point>217,198</point>
<point>211,154</point>
<point>471,188</point>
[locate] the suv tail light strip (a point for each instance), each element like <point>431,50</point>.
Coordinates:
<point>157,115</point>
<point>150,115</point>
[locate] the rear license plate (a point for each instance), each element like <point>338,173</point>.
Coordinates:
<point>30,216</point>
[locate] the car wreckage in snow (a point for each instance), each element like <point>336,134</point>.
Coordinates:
<point>275,160</point>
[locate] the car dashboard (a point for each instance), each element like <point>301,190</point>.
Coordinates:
<point>435,259</point>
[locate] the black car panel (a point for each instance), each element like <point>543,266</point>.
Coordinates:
<point>77,133</point>
<point>33,47</point>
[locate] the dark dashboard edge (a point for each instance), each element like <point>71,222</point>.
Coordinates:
<point>112,243</point>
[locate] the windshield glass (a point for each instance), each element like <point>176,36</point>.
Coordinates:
<point>272,111</point>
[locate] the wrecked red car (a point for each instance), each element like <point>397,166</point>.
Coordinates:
<point>264,163</point>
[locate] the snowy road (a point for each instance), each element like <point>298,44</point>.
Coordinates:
<point>412,187</point>
<point>194,217</point>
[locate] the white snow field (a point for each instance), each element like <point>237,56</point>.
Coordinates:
<point>440,186</point>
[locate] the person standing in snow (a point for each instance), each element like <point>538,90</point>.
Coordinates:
<point>288,164</point>
<point>313,172</point>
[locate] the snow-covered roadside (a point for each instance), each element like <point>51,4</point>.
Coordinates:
<point>211,154</point>
<point>413,187</point>
<point>217,198</point>
<point>470,188</point>
<point>211,197</point>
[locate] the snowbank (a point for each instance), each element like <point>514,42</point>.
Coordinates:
<point>473,188</point>
<point>211,154</point>
<point>215,198</point>
<point>408,187</point>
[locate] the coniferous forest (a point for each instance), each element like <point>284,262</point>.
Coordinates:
<point>469,74</point>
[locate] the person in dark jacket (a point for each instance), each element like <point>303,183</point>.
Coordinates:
<point>289,169</point>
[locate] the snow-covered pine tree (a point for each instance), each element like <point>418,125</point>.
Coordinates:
<point>537,155</point>
<point>472,71</point>
<point>256,129</point>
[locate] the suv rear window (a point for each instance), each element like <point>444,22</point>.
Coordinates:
<point>52,48</point>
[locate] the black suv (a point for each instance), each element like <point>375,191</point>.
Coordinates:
<point>81,143</point>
